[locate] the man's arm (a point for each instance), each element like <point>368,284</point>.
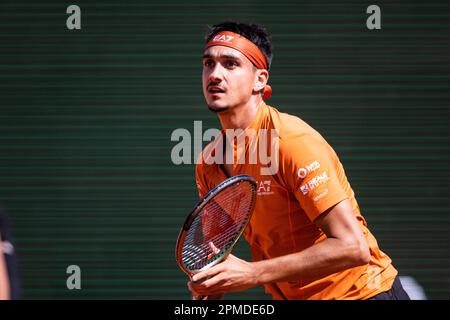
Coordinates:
<point>4,281</point>
<point>345,247</point>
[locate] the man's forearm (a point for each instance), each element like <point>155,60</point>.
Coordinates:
<point>322,259</point>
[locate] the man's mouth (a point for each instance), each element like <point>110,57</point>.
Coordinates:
<point>215,90</point>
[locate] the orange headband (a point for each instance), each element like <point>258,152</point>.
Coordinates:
<point>246,47</point>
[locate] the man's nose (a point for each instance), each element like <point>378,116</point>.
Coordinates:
<point>216,74</point>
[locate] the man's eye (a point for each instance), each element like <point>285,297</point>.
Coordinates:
<point>230,64</point>
<point>208,63</point>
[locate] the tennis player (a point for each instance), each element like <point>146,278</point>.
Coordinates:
<point>307,237</point>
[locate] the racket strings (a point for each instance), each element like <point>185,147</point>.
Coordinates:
<point>211,219</point>
<point>222,237</point>
<point>220,222</point>
<point>200,253</point>
<point>226,202</point>
<point>196,253</point>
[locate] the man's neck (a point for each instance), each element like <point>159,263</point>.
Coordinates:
<point>240,117</point>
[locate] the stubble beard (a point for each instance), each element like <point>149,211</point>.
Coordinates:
<point>218,109</point>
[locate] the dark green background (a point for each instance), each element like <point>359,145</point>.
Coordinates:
<point>86,118</point>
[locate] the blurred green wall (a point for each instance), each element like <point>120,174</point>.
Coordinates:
<point>86,118</point>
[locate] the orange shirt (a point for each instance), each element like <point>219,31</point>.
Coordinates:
<point>309,180</point>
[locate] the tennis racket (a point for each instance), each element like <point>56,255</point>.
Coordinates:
<point>216,223</point>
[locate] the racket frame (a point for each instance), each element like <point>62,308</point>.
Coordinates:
<point>198,208</point>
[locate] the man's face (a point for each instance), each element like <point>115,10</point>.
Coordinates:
<point>228,78</point>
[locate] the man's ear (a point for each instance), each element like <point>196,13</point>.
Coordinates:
<point>261,78</point>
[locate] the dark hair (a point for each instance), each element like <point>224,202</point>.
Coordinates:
<point>253,32</point>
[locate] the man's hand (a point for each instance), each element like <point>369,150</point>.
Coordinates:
<point>231,275</point>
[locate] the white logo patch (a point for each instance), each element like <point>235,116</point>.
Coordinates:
<point>303,172</point>
<point>314,183</point>
<point>263,187</point>
<point>223,38</point>
<point>321,195</point>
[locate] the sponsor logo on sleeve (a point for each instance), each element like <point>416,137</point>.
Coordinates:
<point>321,195</point>
<point>303,172</point>
<point>314,183</point>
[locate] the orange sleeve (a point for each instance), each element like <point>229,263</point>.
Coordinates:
<point>312,171</point>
